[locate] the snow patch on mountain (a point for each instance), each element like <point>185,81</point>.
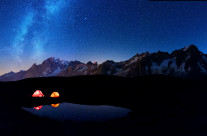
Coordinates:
<point>55,72</point>
<point>203,70</point>
<point>83,69</point>
<point>46,72</point>
<point>186,48</point>
<point>188,57</point>
<point>59,61</point>
<point>133,60</point>
<point>182,67</point>
<point>173,64</point>
<point>136,59</point>
<point>157,69</point>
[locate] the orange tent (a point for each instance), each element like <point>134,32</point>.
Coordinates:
<point>55,105</point>
<point>55,94</point>
<point>37,93</point>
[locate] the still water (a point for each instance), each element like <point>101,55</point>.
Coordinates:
<point>77,112</point>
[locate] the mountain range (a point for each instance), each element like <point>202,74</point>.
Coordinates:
<point>187,62</point>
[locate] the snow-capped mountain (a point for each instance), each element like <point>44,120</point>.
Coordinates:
<point>185,62</point>
<point>7,75</point>
<point>79,69</point>
<point>52,67</point>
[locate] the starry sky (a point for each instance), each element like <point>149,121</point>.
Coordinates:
<point>96,30</point>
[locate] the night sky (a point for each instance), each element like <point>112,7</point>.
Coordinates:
<point>97,30</point>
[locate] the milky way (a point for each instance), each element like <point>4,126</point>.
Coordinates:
<point>36,24</point>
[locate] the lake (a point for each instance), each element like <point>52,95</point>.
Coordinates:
<point>78,112</point>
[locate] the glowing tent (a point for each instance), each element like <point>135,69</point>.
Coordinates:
<point>37,93</point>
<point>55,94</point>
<point>55,105</point>
<point>38,107</point>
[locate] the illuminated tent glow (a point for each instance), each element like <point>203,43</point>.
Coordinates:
<point>38,107</point>
<point>55,105</point>
<point>55,94</point>
<point>37,93</point>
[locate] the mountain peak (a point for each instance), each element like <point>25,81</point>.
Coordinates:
<point>34,64</point>
<point>89,63</point>
<point>56,60</point>
<point>190,47</point>
<point>53,59</point>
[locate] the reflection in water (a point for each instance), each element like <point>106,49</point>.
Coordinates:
<point>55,105</point>
<point>77,112</point>
<point>38,107</point>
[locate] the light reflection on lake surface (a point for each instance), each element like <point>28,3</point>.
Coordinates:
<point>77,112</point>
<point>38,107</point>
<point>55,105</point>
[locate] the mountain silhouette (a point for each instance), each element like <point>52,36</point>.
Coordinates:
<point>187,62</point>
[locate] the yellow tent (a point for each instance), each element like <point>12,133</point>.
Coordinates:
<point>55,94</point>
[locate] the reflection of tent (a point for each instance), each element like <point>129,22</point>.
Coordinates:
<point>55,105</point>
<point>55,94</point>
<point>38,107</point>
<point>37,93</point>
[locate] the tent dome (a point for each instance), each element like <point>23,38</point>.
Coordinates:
<point>55,94</point>
<point>37,93</point>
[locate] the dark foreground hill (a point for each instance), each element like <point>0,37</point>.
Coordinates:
<point>160,105</point>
